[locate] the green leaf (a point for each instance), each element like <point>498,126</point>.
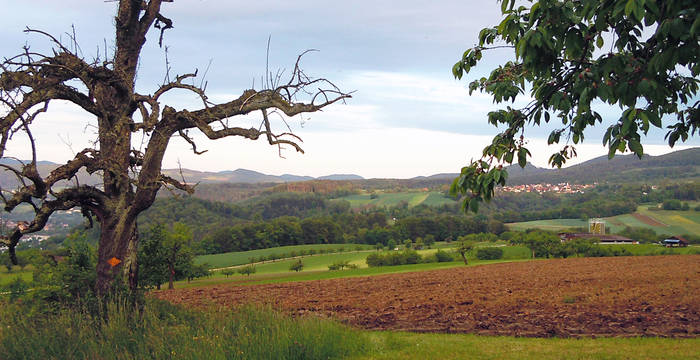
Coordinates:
<point>654,119</point>
<point>630,7</point>
<point>522,157</point>
<point>457,70</point>
<point>636,147</point>
<point>474,205</point>
<point>509,157</point>
<point>695,27</point>
<point>599,42</point>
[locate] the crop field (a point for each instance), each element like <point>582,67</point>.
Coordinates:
<point>552,225</point>
<point>625,296</point>
<point>431,198</point>
<point>683,222</point>
<point>669,222</point>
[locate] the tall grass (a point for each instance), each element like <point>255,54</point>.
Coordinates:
<point>165,331</point>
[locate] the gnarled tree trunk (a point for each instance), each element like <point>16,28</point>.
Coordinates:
<point>131,177</point>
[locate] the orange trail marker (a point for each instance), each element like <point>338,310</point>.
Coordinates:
<point>114,261</point>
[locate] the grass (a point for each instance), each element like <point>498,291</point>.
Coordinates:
<point>6,278</point>
<point>165,331</point>
<point>401,345</point>
<point>243,257</point>
<point>654,249</point>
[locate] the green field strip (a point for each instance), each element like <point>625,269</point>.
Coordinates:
<point>553,224</point>
<point>409,346</point>
<point>418,199</point>
<point>243,257</point>
<point>413,198</point>
<point>438,199</point>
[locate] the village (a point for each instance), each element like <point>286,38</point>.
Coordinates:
<point>61,222</point>
<point>561,188</point>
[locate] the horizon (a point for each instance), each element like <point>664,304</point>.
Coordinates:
<point>351,173</point>
<point>408,117</point>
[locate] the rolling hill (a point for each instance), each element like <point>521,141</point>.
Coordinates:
<point>678,165</point>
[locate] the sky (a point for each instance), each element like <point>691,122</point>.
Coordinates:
<point>407,116</point>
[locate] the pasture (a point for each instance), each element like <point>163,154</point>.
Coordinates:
<point>243,257</point>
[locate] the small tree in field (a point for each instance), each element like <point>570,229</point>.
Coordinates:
<point>228,272</point>
<point>463,248</point>
<point>296,266</point>
<point>105,88</point>
<point>247,270</point>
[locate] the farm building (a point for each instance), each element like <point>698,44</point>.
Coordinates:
<point>675,241</point>
<point>601,239</point>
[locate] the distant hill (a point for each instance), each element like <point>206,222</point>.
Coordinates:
<point>238,176</point>
<point>683,164</point>
<point>341,177</point>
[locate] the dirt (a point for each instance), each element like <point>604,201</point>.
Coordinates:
<point>648,220</point>
<point>625,296</point>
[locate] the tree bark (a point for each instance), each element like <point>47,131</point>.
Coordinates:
<point>171,269</point>
<point>118,243</point>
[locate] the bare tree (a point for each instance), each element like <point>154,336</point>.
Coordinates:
<point>130,177</point>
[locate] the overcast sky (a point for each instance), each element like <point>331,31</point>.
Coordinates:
<point>408,116</point>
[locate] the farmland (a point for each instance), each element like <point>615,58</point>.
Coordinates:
<point>668,222</point>
<point>316,266</point>
<point>653,296</point>
<point>243,257</point>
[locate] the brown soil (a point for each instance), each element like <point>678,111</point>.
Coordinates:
<point>648,220</point>
<point>626,296</point>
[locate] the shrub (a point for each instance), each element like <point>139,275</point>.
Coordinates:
<point>296,266</point>
<point>339,265</point>
<point>489,253</point>
<point>411,257</point>
<point>392,258</point>
<point>443,256</point>
<point>374,259</point>
<point>16,288</point>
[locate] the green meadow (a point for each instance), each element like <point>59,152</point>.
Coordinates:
<point>412,198</point>
<point>408,346</point>
<point>243,257</point>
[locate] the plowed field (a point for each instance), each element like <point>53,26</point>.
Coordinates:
<point>647,220</point>
<point>626,296</point>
